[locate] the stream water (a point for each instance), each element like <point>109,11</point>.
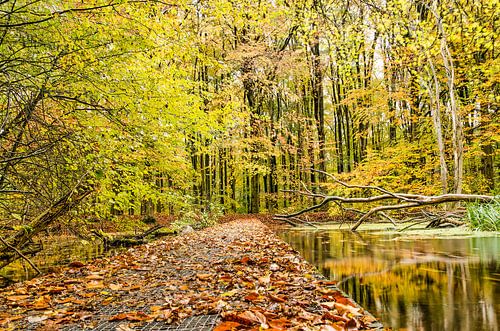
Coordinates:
<point>411,282</point>
<point>57,252</point>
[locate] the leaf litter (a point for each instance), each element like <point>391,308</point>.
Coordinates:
<point>239,270</point>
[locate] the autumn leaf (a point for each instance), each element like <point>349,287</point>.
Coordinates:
<point>253,296</point>
<point>227,326</point>
<point>115,287</point>
<point>94,277</point>
<point>276,298</point>
<point>280,323</point>
<point>130,316</point>
<point>204,276</point>
<point>17,297</point>
<point>346,308</point>
<point>94,284</point>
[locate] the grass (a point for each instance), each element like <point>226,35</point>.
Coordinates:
<point>484,216</point>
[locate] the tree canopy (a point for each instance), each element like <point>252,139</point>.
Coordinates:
<point>155,106</point>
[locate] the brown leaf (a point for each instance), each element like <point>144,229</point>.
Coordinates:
<point>94,284</point>
<point>333,317</point>
<point>262,319</point>
<point>76,264</point>
<point>265,279</point>
<point>253,296</point>
<point>17,297</point>
<point>56,289</point>
<point>115,287</point>
<point>131,316</point>
<point>227,326</point>
<point>248,318</point>
<point>119,317</point>
<point>276,298</point>
<point>349,309</point>
<point>42,302</point>
<point>204,276</point>
<point>94,277</point>
<point>332,327</point>
<point>280,323</point>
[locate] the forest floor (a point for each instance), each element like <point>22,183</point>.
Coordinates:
<point>236,275</point>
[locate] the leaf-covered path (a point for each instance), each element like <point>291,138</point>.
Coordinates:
<point>238,275</point>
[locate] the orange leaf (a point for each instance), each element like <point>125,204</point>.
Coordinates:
<point>227,326</point>
<point>279,324</point>
<point>94,277</point>
<point>204,276</point>
<point>17,297</point>
<point>253,296</point>
<point>276,298</point>
<point>119,317</point>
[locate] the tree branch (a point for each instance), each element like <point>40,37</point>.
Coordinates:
<point>409,200</point>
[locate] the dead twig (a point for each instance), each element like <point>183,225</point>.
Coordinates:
<point>392,201</point>
<point>24,257</point>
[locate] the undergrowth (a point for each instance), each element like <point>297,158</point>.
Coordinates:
<point>484,216</point>
<point>199,219</point>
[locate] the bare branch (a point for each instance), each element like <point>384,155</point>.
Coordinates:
<point>409,201</point>
<point>21,255</point>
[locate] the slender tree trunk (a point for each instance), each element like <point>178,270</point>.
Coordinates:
<point>318,103</point>
<point>436,116</point>
<point>457,140</point>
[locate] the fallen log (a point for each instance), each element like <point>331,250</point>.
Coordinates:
<point>19,243</point>
<point>110,240</point>
<point>392,200</point>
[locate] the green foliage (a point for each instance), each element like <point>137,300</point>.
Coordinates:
<point>199,219</point>
<point>153,104</point>
<point>405,167</point>
<point>484,216</point>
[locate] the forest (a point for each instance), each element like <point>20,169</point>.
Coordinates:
<point>145,107</point>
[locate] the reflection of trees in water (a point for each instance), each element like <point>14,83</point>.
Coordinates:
<point>419,284</point>
<point>434,295</point>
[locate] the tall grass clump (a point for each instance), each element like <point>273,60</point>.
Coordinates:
<point>484,216</point>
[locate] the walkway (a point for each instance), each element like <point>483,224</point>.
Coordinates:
<point>234,276</point>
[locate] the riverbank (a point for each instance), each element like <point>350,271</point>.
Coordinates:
<point>237,275</point>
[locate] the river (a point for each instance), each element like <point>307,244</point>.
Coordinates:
<point>412,281</point>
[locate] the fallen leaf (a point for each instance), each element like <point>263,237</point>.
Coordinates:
<point>276,298</point>
<point>76,264</point>
<point>264,279</point>
<point>115,287</point>
<point>274,267</point>
<point>37,319</point>
<point>17,297</point>
<point>349,309</point>
<point>94,284</point>
<point>124,327</point>
<point>94,277</point>
<point>280,323</point>
<point>130,316</point>
<point>227,326</point>
<point>56,289</point>
<point>253,296</point>
<point>204,276</point>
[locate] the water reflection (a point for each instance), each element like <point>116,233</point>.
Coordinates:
<point>412,284</point>
<point>58,252</point>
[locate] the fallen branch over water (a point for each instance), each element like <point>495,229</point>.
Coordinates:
<point>392,200</point>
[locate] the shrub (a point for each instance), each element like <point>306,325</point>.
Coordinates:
<point>484,216</point>
<point>199,219</point>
